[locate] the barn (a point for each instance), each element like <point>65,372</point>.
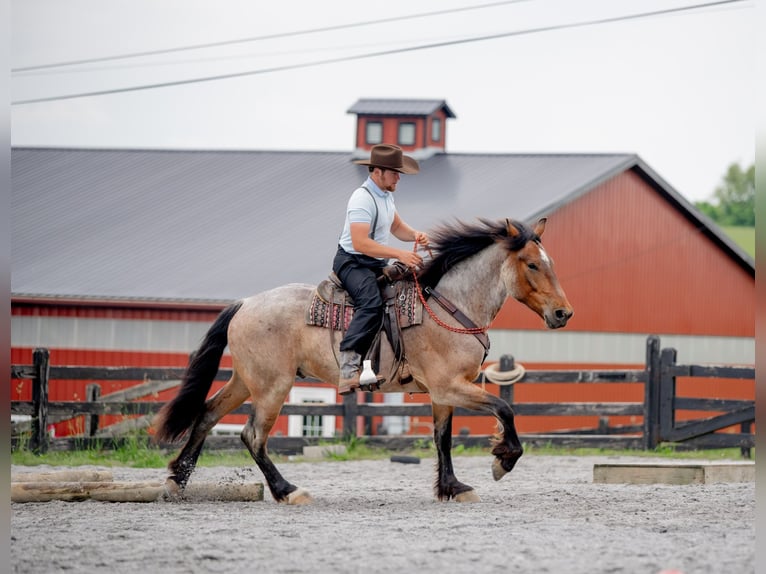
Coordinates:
<point>123,257</point>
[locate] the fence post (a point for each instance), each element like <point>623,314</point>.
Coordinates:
<point>349,415</point>
<point>667,392</point>
<point>38,442</point>
<point>92,394</point>
<point>506,363</point>
<point>651,393</point>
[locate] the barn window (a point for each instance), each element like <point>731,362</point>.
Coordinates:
<point>436,129</point>
<point>374,133</point>
<point>311,425</point>
<point>407,133</point>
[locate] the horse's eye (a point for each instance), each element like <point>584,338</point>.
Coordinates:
<point>532,266</point>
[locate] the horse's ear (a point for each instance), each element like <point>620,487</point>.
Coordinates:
<point>540,226</point>
<point>512,231</point>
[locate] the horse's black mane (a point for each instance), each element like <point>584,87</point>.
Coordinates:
<point>455,242</point>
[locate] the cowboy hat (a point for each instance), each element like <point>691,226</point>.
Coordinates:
<point>389,156</point>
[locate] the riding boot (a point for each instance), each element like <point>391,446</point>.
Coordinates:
<point>348,381</point>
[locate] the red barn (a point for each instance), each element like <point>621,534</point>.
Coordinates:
<point>124,257</point>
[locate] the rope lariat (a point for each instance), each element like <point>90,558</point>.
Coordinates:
<point>494,375</point>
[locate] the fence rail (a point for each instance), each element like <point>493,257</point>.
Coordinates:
<point>658,408</point>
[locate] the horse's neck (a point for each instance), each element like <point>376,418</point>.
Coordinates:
<point>476,286</point>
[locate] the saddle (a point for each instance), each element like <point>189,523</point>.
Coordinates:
<point>332,307</point>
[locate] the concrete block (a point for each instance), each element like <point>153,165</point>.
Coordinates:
<point>674,472</point>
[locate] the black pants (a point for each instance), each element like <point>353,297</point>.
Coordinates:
<point>359,275</point>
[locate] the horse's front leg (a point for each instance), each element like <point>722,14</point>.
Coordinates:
<point>506,445</point>
<point>447,485</point>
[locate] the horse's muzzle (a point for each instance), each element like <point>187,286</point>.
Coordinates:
<point>558,317</point>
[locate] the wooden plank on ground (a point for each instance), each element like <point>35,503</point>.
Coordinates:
<point>77,491</point>
<point>146,491</point>
<point>674,472</point>
<point>63,476</point>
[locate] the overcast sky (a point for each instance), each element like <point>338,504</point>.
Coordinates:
<point>675,88</point>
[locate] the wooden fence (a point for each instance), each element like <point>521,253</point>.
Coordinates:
<point>658,409</point>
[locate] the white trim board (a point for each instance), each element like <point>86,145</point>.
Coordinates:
<point>560,346</point>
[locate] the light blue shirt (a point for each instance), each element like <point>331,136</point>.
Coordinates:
<point>360,209</point>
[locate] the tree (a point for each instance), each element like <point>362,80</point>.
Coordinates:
<point>735,198</point>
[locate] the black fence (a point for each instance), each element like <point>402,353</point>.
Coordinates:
<point>658,409</point>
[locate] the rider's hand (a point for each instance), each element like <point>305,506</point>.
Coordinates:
<point>410,258</point>
<point>421,238</point>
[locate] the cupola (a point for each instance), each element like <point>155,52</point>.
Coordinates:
<point>419,127</point>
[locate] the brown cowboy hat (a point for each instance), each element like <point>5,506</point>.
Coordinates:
<point>389,156</point>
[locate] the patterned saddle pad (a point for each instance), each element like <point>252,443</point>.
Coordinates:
<point>331,306</point>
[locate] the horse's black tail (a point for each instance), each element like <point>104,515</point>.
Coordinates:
<point>178,415</point>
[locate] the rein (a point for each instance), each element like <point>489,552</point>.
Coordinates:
<point>469,327</point>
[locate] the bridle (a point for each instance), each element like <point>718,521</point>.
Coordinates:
<point>469,327</point>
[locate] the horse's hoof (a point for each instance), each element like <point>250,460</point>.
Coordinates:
<point>298,497</point>
<point>498,471</point>
<point>467,496</point>
<point>172,490</point>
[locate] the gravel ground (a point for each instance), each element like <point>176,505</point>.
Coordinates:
<point>380,516</point>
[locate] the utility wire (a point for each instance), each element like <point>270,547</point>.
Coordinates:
<point>108,67</point>
<point>265,37</point>
<point>376,54</point>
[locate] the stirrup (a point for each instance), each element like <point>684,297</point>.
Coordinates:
<point>372,386</point>
<point>365,388</point>
<point>368,380</point>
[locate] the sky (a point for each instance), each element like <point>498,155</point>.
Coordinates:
<point>525,76</point>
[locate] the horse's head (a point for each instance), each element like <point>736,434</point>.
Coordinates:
<point>530,278</point>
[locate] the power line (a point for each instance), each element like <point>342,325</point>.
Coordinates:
<point>376,54</point>
<point>265,37</point>
<point>208,59</point>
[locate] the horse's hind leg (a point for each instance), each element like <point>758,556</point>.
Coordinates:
<point>233,394</point>
<point>255,435</point>
<point>447,485</point>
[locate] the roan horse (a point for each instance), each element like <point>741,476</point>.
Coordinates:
<point>476,266</point>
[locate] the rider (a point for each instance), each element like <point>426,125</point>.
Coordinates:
<point>363,250</point>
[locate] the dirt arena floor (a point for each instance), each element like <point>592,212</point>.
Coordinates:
<point>547,516</point>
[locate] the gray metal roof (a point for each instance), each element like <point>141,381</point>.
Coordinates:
<point>399,107</point>
<point>220,225</point>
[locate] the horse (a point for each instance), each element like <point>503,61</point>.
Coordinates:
<point>476,266</point>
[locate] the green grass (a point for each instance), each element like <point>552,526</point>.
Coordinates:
<point>135,453</point>
<point>744,237</point>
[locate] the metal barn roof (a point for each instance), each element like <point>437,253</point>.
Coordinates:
<point>214,226</point>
